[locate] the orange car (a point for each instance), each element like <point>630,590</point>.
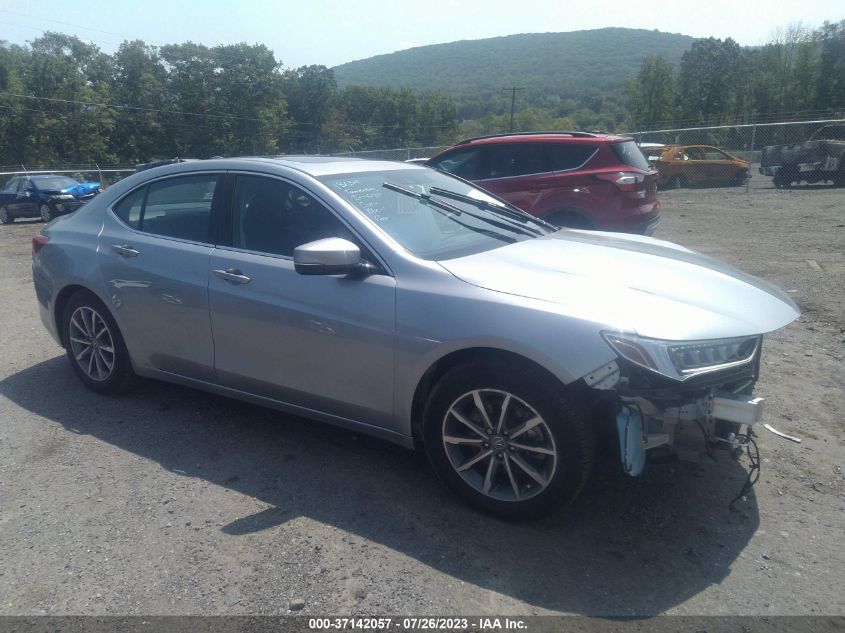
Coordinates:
<point>696,166</point>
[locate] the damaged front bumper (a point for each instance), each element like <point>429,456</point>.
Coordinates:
<point>641,426</point>
<point>678,420</point>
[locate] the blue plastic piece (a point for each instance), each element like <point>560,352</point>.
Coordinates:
<point>82,188</point>
<point>631,448</point>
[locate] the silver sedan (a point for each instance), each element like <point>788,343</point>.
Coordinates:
<point>402,302</point>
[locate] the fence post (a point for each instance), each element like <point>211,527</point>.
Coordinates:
<point>753,136</point>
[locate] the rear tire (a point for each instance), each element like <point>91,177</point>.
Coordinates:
<point>46,212</point>
<point>5,216</point>
<point>677,182</point>
<point>525,464</point>
<point>94,345</point>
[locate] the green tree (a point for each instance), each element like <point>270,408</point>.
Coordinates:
<point>15,114</point>
<point>139,85</point>
<point>709,81</point>
<point>69,82</point>
<point>652,94</point>
<point>830,91</point>
<point>309,91</point>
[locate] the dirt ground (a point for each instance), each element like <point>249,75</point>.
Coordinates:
<point>173,501</point>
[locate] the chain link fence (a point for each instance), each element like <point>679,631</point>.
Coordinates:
<point>402,154</point>
<point>713,156</point>
<point>105,175</point>
<point>721,156</point>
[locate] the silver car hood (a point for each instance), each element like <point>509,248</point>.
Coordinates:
<point>637,284</point>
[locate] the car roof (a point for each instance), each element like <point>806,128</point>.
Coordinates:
<point>308,164</point>
<point>546,137</point>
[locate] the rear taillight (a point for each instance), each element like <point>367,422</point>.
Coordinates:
<point>38,243</point>
<point>625,180</point>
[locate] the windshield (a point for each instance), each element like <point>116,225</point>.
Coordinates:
<point>433,215</point>
<point>53,182</point>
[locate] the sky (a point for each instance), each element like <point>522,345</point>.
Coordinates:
<point>331,32</point>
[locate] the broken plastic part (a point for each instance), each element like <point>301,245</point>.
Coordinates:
<point>737,408</point>
<point>605,377</point>
<point>631,447</point>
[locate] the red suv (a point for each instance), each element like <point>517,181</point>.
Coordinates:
<point>574,179</point>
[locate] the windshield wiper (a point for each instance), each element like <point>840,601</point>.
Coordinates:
<point>453,210</point>
<point>513,213</point>
<point>450,211</point>
<point>424,197</point>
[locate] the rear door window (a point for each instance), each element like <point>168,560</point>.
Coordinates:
<point>566,156</point>
<point>714,154</point>
<point>129,209</point>
<point>177,207</point>
<point>517,159</point>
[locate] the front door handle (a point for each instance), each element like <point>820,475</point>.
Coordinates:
<point>125,250</point>
<point>233,275</point>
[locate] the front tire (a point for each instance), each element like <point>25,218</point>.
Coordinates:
<point>510,442</point>
<point>46,212</point>
<point>740,179</point>
<point>95,345</point>
<point>5,216</point>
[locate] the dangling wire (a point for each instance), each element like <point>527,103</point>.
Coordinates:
<point>753,470</point>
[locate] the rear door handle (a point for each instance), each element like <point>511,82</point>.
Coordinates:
<point>125,250</point>
<point>233,275</point>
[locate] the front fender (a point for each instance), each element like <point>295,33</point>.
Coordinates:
<point>567,348</point>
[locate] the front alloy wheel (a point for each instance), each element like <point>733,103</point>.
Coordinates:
<point>499,445</point>
<point>47,213</point>
<point>508,438</point>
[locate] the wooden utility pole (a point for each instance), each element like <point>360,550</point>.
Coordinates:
<point>513,90</point>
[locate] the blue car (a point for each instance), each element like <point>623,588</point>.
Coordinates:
<point>44,196</point>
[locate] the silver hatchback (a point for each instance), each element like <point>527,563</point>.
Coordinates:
<point>403,302</point>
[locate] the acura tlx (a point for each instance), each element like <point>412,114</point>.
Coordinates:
<point>400,301</point>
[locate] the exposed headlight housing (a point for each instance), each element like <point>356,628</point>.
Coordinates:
<point>681,360</point>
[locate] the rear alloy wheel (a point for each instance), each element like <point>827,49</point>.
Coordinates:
<point>95,346</point>
<point>46,212</point>
<point>5,216</point>
<point>516,445</point>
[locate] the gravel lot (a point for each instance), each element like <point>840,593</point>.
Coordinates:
<point>173,501</point>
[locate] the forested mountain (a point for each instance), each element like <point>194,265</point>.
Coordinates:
<point>65,101</point>
<point>549,66</point>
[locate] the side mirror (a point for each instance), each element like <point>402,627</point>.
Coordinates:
<point>329,256</point>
